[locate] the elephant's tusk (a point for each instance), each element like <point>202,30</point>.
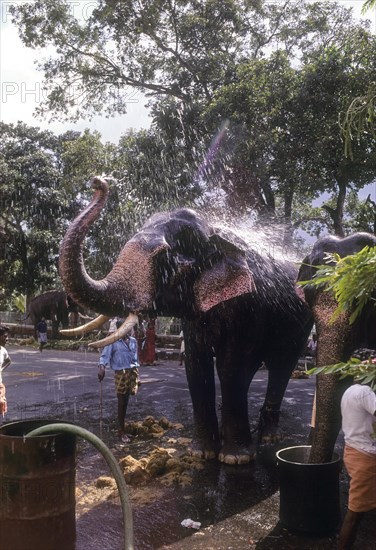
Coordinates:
<point>125,328</point>
<point>88,327</point>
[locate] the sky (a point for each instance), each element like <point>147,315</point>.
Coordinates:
<point>21,83</point>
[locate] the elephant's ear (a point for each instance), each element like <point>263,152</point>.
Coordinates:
<point>227,277</point>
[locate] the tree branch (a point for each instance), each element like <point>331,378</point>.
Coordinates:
<point>299,222</point>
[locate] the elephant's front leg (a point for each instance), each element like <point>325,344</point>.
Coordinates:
<point>199,366</point>
<point>237,445</point>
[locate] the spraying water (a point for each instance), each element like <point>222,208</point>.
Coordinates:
<point>212,152</point>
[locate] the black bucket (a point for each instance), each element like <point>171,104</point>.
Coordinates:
<point>309,493</point>
<point>37,483</point>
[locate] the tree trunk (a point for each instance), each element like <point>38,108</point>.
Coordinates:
<point>289,229</point>
<point>337,213</point>
<point>331,339</point>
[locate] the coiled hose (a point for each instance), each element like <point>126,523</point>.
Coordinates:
<point>112,463</point>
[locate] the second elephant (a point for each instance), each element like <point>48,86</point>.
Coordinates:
<point>53,305</point>
<point>236,305</point>
<point>336,341</point>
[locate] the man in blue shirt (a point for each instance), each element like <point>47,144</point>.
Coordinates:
<point>122,358</point>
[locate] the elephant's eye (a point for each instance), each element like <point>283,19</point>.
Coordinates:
<point>183,263</point>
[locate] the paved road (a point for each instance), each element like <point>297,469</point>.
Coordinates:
<point>65,384</point>
<point>237,506</point>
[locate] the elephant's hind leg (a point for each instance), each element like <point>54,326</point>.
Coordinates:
<point>269,430</point>
<point>279,376</point>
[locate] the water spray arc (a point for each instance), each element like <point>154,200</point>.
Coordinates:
<point>212,151</point>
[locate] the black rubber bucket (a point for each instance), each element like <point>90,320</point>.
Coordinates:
<point>309,493</point>
<point>37,483</point>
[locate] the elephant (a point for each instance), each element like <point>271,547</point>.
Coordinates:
<point>237,307</point>
<point>53,305</point>
<point>336,340</point>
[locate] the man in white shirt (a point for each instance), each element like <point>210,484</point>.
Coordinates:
<point>112,325</point>
<point>358,407</point>
<point>4,363</point>
<point>182,349</point>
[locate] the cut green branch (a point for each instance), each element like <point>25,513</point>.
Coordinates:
<point>351,279</point>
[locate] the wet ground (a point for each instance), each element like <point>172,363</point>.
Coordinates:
<point>238,507</point>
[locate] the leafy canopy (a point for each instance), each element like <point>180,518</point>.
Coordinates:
<point>360,116</point>
<point>42,186</point>
<point>106,51</point>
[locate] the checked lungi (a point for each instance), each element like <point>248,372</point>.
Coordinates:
<point>127,381</point>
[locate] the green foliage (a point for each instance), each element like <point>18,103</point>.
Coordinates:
<point>351,279</point>
<point>19,301</point>
<point>286,147</point>
<point>360,117</point>
<point>368,4</point>
<point>107,52</point>
<point>199,62</point>
<point>363,372</point>
<point>361,114</point>
<point>360,215</point>
<point>31,207</point>
<point>84,156</point>
<point>259,134</point>
<point>43,185</point>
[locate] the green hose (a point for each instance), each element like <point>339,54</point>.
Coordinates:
<point>111,461</point>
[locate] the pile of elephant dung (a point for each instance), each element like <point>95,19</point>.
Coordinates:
<point>163,464</point>
<point>25,341</point>
<point>299,374</point>
<point>88,496</point>
<point>151,427</point>
<point>105,488</point>
<point>167,465</point>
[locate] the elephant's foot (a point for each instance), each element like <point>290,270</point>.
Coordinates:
<point>198,453</point>
<point>237,454</point>
<point>203,449</point>
<point>268,431</point>
<point>272,435</point>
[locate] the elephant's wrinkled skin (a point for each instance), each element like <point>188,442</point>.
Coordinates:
<point>335,341</point>
<point>53,305</point>
<point>235,305</point>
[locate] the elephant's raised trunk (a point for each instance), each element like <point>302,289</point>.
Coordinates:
<point>116,293</point>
